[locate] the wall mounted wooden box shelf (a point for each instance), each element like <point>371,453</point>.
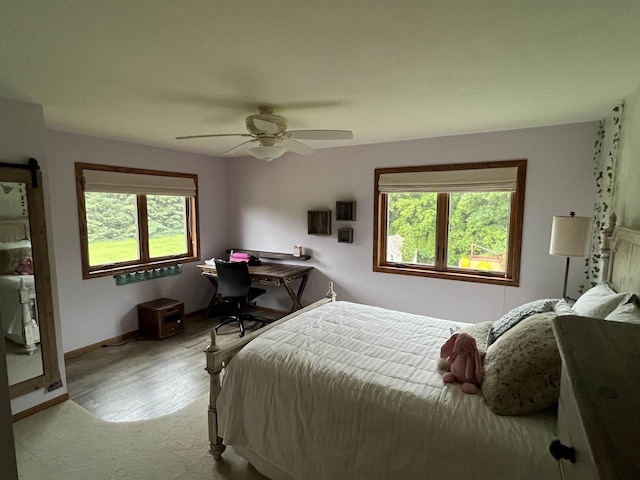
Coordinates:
<point>345,235</point>
<point>345,211</point>
<point>270,255</point>
<point>319,222</point>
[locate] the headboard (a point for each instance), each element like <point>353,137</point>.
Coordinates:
<point>14,230</point>
<point>620,257</point>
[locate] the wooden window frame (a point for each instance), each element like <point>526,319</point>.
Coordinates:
<point>440,270</point>
<point>144,262</point>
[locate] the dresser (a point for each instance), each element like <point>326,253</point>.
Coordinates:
<point>599,408</point>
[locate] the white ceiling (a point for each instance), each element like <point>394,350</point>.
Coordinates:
<point>148,70</point>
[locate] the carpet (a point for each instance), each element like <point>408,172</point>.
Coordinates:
<point>66,442</point>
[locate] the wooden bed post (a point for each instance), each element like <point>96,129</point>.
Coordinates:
<point>30,329</point>
<point>605,249</point>
<point>214,367</point>
<point>219,357</point>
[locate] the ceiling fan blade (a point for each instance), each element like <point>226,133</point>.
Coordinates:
<point>215,135</point>
<point>321,134</point>
<point>296,146</point>
<point>239,147</point>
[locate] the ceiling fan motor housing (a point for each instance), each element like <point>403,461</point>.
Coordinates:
<point>262,124</point>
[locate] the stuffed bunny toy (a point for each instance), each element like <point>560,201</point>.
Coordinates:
<point>24,267</point>
<point>465,365</point>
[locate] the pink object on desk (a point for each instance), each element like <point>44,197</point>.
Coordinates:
<point>239,257</point>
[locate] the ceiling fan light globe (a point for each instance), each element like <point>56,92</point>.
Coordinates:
<point>268,153</point>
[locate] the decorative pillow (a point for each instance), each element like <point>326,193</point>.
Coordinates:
<point>480,332</point>
<point>627,312</point>
<point>522,368</point>
<point>600,301</point>
<point>10,258</point>
<point>515,316</point>
<point>563,308</point>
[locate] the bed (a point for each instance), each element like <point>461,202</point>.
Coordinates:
<point>18,312</point>
<point>341,390</point>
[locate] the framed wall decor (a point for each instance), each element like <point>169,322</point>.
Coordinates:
<point>345,211</point>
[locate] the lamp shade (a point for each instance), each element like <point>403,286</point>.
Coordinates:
<point>570,236</point>
<point>268,153</point>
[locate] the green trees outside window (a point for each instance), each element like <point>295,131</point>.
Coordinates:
<point>135,219</point>
<point>455,221</point>
<point>478,229</point>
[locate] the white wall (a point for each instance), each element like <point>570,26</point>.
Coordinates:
<point>626,201</point>
<point>268,212</point>
<point>21,137</point>
<point>96,309</point>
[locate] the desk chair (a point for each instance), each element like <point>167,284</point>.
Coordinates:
<point>234,287</point>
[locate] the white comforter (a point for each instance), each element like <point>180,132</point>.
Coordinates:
<point>348,391</point>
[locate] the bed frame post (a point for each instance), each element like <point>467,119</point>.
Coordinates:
<point>30,329</point>
<point>214,367</point>
<point>331,294</point>
<point>605,249</point>
<point>219,357</point>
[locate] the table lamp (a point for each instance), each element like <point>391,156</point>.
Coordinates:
<point>570,238</point>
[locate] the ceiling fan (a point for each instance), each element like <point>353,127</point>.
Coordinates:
<point>272,139</point>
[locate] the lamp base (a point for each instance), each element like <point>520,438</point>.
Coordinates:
<point>566,277</point>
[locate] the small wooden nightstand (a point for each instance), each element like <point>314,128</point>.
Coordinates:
<point>161,318</point>
<point>598,419</point>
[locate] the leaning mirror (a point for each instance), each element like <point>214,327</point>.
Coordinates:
<point>26,309</point>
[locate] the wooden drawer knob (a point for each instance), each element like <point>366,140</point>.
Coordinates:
<point>560,451</point>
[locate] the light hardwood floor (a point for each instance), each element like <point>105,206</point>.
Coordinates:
<point>143,379</point>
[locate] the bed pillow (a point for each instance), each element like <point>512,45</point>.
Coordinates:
<point>600,301</point>
<point>9,259</point>
<point>515,316</point>
<point>563,308</point>
<point>522,368</point>
<point>627,312</point>
<point>480,332</point>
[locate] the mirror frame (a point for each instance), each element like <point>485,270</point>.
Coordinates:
<point>44,299</point>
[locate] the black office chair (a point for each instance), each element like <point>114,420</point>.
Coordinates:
<point>234,287</point>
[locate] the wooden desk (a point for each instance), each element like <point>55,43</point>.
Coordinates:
<point>276,274</point>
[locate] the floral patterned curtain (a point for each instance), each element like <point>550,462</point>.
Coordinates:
<point>605,159</point>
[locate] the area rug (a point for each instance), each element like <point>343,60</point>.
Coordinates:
<point>66,442</point>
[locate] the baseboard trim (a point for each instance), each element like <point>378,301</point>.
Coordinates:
<point>95,346</point>
<point>38,408</point>
<point>118,339</point>
<point>195,313</point>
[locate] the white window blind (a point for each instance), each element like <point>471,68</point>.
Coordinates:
<point>138,183</point>
<point>501,179</point>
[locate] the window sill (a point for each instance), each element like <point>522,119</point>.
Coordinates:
<point>418,271</point>
<point>132,268</point>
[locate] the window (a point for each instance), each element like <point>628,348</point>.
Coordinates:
<point>134,219</point>
<point>460,221</point>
